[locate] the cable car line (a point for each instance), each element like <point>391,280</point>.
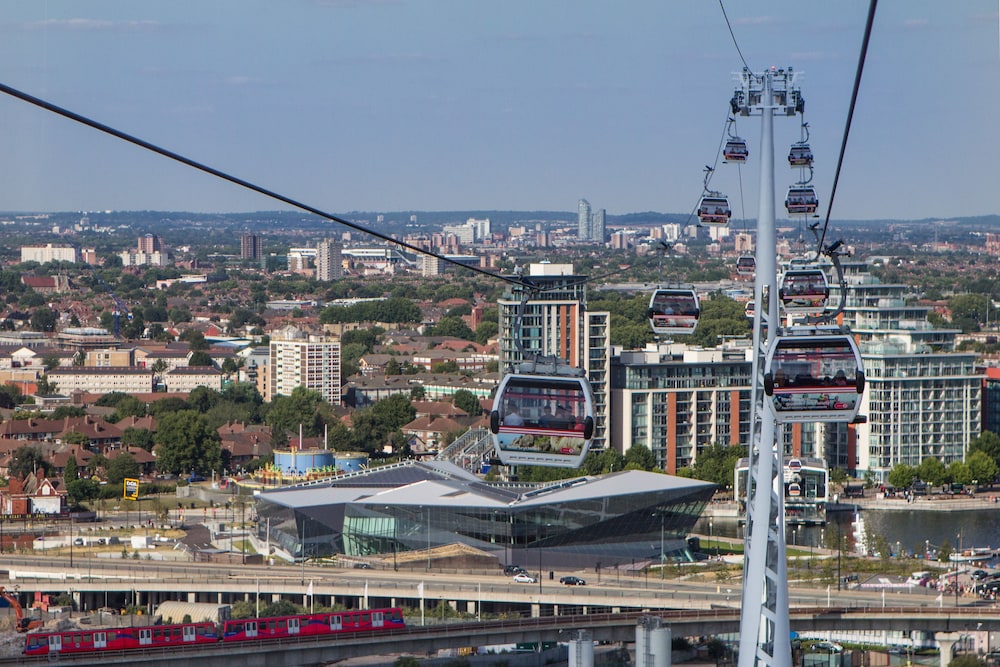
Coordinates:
<point>177,157</point>
<point>731,34</point>
<point>850,112</point>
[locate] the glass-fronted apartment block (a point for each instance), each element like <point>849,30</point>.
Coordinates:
<point>414,505</point>
<point>554,321</point>
<point>922,398</point>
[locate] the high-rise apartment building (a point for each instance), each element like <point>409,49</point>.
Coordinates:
<point>298,360</point>
<point>329,260</point>
<point>922,397</point>
<point>555,322</point>
<point>250,247</point>
<point>597,230</point>
<point>677,400</point>
<point>583,220</point>
<point>148,244</point>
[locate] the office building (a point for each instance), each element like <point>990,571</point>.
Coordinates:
<point>583,220</point>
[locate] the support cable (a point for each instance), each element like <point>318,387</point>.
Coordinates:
<point>177,157</point>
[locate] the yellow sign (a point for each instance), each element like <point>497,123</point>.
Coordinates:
<point>131,489</point>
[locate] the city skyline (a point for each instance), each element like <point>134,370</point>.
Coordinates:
<point>394,106</point>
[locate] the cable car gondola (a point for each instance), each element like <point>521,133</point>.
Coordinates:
<point>735,150</point>
<point>543,416</point>
<point>746,265</point>
<point>674,311</point>
<point>801,199</point>
<point>800,155</point>
<point>748,310</point>
<point>804,290</point>
<point>714,209</point>
<point>814,374</point>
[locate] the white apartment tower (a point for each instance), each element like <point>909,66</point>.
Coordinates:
<point>922,397</point>
<point>298,360</point>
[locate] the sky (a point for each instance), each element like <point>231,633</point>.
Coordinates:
<point>410,105</point>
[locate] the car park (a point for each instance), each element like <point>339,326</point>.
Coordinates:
<point>572,581</point>
<point>524,578</point>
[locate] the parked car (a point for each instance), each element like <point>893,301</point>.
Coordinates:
<point>78,541</point>
<point>362,566</point>
<point>524,578</point>
<point>572,581</point>
<point>830,647</point>
<point>511,570</point>
<point>980,575</point>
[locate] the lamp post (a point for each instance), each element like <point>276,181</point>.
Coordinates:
<point>711,538</point>
<point>839,549</point>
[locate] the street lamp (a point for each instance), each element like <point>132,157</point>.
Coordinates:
<point>711,537</point>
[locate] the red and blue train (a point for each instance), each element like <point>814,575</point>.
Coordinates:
<point>192,634</point>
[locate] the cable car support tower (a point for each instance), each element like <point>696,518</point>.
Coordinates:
<point>764,626</point>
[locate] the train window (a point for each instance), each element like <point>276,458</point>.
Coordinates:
<point>365,619</point>
<point>88,638</point>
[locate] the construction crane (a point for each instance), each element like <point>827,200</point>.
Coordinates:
<point>22,623</point>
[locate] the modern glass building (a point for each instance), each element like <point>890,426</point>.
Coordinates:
<point>420,505</point>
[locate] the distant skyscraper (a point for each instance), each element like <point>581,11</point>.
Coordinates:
<point>583,220</point>
<point>329,260</point>
<point>149,244</point>
<point>597,226</point>
<point>250,247</point>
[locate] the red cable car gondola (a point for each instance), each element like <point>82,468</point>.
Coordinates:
<point>736,150</point>
<point>714,209</point>
<point>801,199</point>
<point>673,311</point>
<point>543,418</point>
<point>800,155</point>
<point>814,374</point>
<point>804,290</point>
<point>746,265</point>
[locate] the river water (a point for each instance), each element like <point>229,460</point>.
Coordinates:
<point>906,530</point>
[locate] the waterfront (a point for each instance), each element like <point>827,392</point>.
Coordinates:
<point>912,529</point>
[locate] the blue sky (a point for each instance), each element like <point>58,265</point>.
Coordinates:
<point>387,105</point>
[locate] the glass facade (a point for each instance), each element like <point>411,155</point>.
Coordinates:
<point>629,515</point>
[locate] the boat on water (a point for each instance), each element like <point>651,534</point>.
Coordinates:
<point>972,555</point>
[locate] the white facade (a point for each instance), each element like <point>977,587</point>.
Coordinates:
<point>49,253</point>
<point>922,398</point>
<point>312,362</point>
<point>128,380</point>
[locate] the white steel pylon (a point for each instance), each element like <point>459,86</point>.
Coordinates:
<point>765,639</point>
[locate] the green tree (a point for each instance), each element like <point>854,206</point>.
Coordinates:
<point>302,407</point>
<point>958,471</point>
<point>200,358</point>
<point>902,476</point>
<point>26,460</point>
<point>987,442</point>
<point>720,317</point>
<point>467,401</point>
<point>982,468</point>
<point>392,367</point>
<point>79,491</point>
<point>452,326</point>
<point>10,396</point>
<point>185,442</point>
<point>967,660</point>
<point>138,437</point>
<point>717,464</point>
<point>932,471</point>
<point>122,466</point>
<point>43,319</point>
<point>639,457</point>
<point>70,472</point>
<point>45,386</point>
<point>486,330</point>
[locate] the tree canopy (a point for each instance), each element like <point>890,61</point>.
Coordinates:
<point>185,442</point>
